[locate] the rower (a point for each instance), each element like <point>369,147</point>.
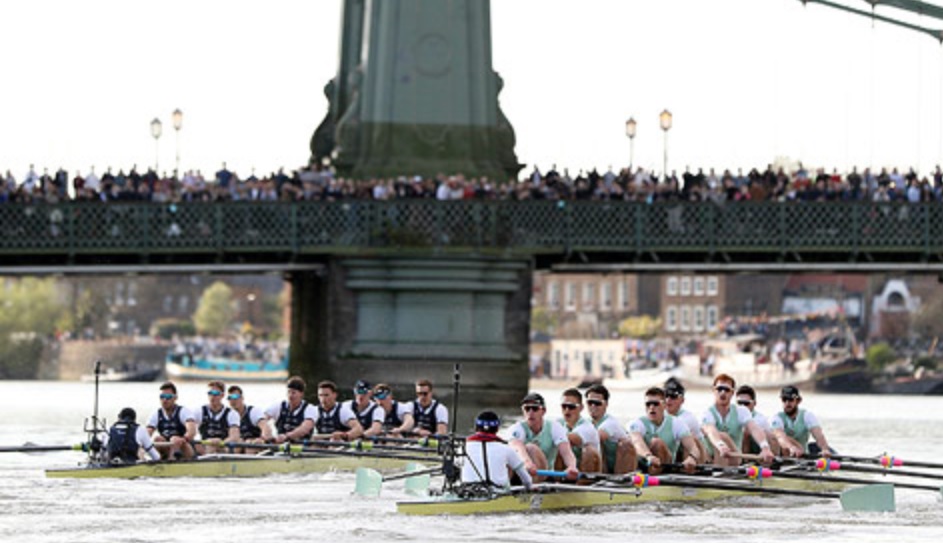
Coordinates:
<point>792,427</point>
<point>584,439</point>
<point>723,425</point>
<point>538,441</point>
<point>674,404</point>
<point>430,416</point>
<point>398,417</point>
<point>369,414</point>
<point>218,423</point>
<point>616,447</point>
<point>253,427</point>
<point>335,421</point>
<point>488,458</point>
<point>126,439</point>
<point>657,437</point>
<point>294,418</point>
<point>173,424</point>
<point>746,397</point>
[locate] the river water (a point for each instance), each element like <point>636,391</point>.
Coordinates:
<point>322,507</point>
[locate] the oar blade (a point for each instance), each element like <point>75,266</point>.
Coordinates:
<point>874,498</point>
<point>418,485</point>
<point>368,482</point>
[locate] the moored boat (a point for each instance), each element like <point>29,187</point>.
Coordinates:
<point>188,367</point>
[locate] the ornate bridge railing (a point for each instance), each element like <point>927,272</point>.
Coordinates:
<point>595,231</point>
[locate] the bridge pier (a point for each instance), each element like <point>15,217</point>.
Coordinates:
<point>397,320</point>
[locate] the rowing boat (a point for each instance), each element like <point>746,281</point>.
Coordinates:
<point>235,465</point>
<point>549,496</point>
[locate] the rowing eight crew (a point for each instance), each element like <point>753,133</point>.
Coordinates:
<point>172,431</point>
<point>666,434</point>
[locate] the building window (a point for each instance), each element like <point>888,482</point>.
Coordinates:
<point>168,304</point>
<point>132,293</point>
<point>712,285</point>
<point>623,293</point>
<point>685,286</point>
<point>698,286</point>
<point>698,319</point>
<point>712,317</point>
<point>672,286</point>
<point>119,293</point>
<point>570,299</point>
<point>671,318</point>
<point>685,318</point>
<point>605,296</point>
<point>183,304</point>
<point>553,295</point>
<point>589,295</point>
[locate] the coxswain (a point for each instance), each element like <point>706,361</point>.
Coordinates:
<point>335,421</point>
<point>398,418</point>
<point>538,440</point>
<point>369,414</point>
<point>430,416</point>
<point>172,424</point>
<point>294,418</point>
<point>657,437</point>
<point>218,423</point>
<point>746,396</point>
<point>126,439</point>
<point>584,439</point>
<point>724,424</point>
<point>616,448</point>
<point>674,404</point>
<point>792,427</point>
<point>253,426</point>
<point>489,459</point>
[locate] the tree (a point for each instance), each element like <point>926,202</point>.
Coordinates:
<point>880,355</point>
<point>31,308</point>
<point>543,321</point>
<point>642,327</point>
<point>215,311</point>
<point>928,321</point>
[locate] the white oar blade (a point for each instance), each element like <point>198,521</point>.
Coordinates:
<point>876,498</point>
<point>419,485</point>
<point>368,483</point>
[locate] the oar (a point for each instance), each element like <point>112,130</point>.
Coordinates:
<point>301,450</point>
<point>840,479</point>
<point>431,442</point>
<point>362,445</point>
<point>369,481</point>
<point>885,460</point>
<point>832,465</point>
<point>31,448</point>
<point>876,497</point>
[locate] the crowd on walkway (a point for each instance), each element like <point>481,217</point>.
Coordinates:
<point>629,184</point>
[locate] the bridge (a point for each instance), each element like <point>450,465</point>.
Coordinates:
<point>237,237</point>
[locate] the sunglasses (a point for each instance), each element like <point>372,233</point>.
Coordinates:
<point>595,403</point>
<point>673,395</point>
<point>532,408</point>
<point>745,402</point>
<point>361,391</point>
<point>381,394</point>
<point>653,403</point>
<point>234,396</point>
<point>166,396</point>
<point>723,389</point>
<point>214,392</point>
<point>788,399</point>
<point>422,393</point>
<point>569,406</point>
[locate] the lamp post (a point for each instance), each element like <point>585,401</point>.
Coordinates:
<point>177,116</point>
<point>630,127</point>
<point>250,309</point>
<point>156,130</point>
<point>664,119</point>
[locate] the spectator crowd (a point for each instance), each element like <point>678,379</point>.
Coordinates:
<point>321,184</point>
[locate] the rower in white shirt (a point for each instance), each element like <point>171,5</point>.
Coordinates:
<point>616,448</point>
<point>583,436</point>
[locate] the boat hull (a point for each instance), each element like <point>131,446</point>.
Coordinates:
<point>236,466</point>
<point>196,373</point>
<point>557,499</point>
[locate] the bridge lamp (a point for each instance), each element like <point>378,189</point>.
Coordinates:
<point>664,119</point>
<point>630,127</point>
<point>177,117</point>
<point>156,130</point>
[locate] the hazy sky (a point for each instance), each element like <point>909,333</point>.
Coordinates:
<point>746,80</point>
